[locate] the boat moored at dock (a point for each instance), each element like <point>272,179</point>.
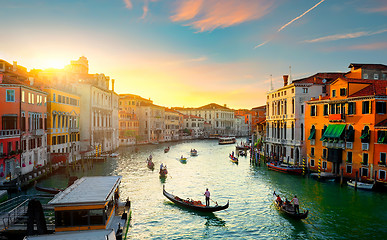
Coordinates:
<point>285,168</point>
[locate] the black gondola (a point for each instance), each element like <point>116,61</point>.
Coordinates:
<point>198,206</point>
<point>289,211</point>
<point>48,190</point>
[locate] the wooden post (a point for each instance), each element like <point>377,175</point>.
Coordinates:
<point>356,180</point>
<point>341,177</point>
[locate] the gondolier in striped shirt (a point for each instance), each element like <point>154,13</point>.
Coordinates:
<point>296,205</point>
<point>207,194</point>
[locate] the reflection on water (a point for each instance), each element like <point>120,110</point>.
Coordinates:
<point>334,212</point>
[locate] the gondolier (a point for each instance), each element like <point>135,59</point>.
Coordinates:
<point>296,204</point>
<point>207,194</point>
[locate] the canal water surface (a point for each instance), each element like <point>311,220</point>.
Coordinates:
<point>334,212</point>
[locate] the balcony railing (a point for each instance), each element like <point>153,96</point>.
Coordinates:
<point>38,132</point>
<point>73,130</point>
<point>9,133</point>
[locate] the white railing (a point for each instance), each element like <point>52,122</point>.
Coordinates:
<point>349,145</point>
<point>365,146</point>
<point>9,133</point>
<point>38,132</point>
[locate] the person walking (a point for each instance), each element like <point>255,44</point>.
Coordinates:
<point>296,204</point>
<point>207,194</point>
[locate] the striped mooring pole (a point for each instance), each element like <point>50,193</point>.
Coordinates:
<point>100,150</point>
<point>303,166</point>
<point>319,168</point>
<point>96,151</point>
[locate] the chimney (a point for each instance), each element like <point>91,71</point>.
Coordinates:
<point>319,97</point>
<point>14,66</point>
<point>285,77</point>
<point>113,85</point>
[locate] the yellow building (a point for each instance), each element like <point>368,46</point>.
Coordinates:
<point>63,125</point>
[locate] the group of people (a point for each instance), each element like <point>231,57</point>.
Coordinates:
<point>296,204</point>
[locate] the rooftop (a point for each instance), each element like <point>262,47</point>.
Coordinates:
<point>87,190</point>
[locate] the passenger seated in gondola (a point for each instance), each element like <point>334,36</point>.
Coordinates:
<point>279,200</point>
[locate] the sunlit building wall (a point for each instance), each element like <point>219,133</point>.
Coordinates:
<point>172,125</point>
<point>63,125</point>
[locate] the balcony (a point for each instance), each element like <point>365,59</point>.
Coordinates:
<point>382,164</point>
<point>38,132</point>
<point>9,133</point>
<point>336,117</point>
<point>73,130</point>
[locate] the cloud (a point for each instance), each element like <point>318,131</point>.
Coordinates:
<point>345,36</point>
<point>128,4</point>
<point>211,14</point>
<point>290,22</point>
<point>372,46</point>
<point>145,9</point>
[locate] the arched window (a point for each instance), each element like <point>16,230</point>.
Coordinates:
<point>302,132</point>
<point>292,130</point>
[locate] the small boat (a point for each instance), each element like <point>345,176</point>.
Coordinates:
<point>194,205</point>
<point>285,168</point>
<point>150,164</point>
<point>183,159</point>
<point>289,211</point>
<point>166,150</point>
<point>233,159</point>
<point>163,172</point>
<point>226,140</point>
<point>48,190</point>
<point>194,152</point>
<point>361,185</point>
<point>242,153</point>
<point>114,155</point>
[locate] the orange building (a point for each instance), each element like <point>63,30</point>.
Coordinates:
<point>346,129</point>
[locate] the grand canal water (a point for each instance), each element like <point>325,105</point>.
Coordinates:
<point>334,212</point>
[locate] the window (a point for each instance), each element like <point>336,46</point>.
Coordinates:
<point>312,151</point>
<point>382,158</point>
<point>364,172</point>
<point>382,174</point>
<point>349,157</point>
<point>313,110</point>
<point>304,90</point>
<point>376,76</point>
<point>324,165</point>
<point>365,76</point>
<point>324,155</point>
<point>365,159</point>
<point>343,91</point>
<point>366,107</point>
<point>351,108</point>
<point>312,162</point>
<point>53,140</point>
<point>23,93</point>
<point>333,109</point>
<point>302,132</point>
<point>32,98</point>
<point>54,98</point>
<point>326,110</point>
<point>333,93</point>
<point>381,107</point>
<point>349,169</point>
<point>10,95</point>
<point>302,109</point>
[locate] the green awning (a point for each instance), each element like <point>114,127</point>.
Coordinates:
<point>333,131</point>
<point>312,134</point>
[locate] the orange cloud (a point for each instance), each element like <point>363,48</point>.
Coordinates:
<point>211,14</point>
<point>128,4</point>
<point>372,46</point>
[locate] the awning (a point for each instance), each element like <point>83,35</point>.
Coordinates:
<point>312,134</point>
<point>333,131</point>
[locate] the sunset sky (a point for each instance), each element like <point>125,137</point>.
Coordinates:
<point>194,52</point>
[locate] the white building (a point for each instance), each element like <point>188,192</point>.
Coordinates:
<point>220,118</point>
<point>152,122</point>
<point>172,125</point>
<point>195,125</point>
<point>285,116</point>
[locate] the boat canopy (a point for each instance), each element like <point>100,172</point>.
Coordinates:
<point>87,191</point>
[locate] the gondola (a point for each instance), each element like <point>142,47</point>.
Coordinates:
<point>285,168</point>
<point>289,211</point>
<point>194,205</point>
<point>166,150</point>
<point>163,172</point>
<point>233,159</point>
<point>48,190</point>
<point>150,165</point>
